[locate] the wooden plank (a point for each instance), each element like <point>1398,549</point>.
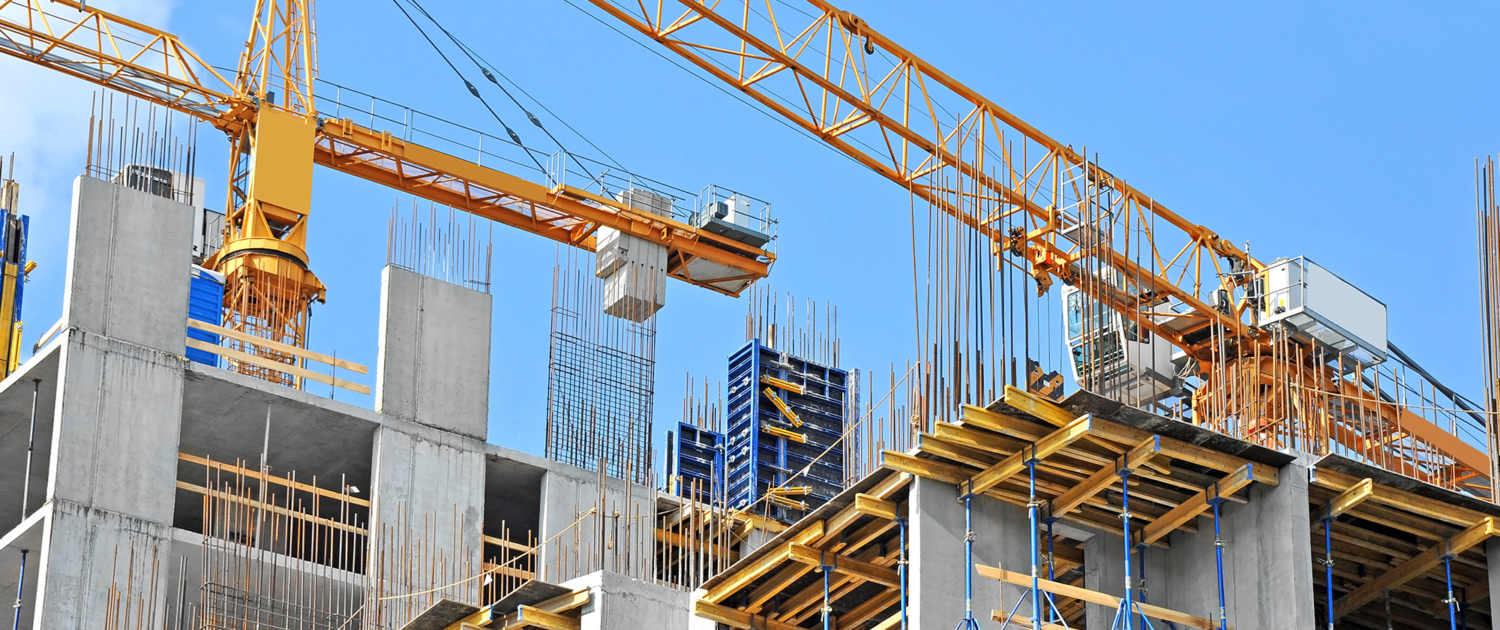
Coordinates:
<point>926,468</point>
<point>775,585</point>
<point>1351,498</point>
<point>1103,479</point>
<point>278,346</point>
<point>1414,568</point>
<point>255,474</point>
<point>745,576</point>
<point>1092,597</point>
<point>230,353</point>
<point>501,542</point>
<point>1016,463</point>
<point>1190,509</point>
<point>737,618</point>
<point>1017,621</point>
<point>219,494</point>
<point>846,565</point>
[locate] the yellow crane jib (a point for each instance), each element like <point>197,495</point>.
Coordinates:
<point>800,438</point>
<point>786,385</point>
<point>785,410</point>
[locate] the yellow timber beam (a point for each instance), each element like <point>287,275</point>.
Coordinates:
<point>1099,481</point>
<point>845,565</point>
<point>566,215</point>
<point>743,577</point>
<point>1415,567</point>
<point>737,618</point>
<point>1191,508</point>
<point>1045,447</point>
<point>1351,498</point>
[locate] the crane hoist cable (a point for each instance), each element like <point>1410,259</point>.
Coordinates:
<point>491,77</point>
<point>472,90</point>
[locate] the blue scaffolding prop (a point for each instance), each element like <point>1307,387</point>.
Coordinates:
<point>901,568</point>
<point>1035,593</point>
<point>968,622</point>
<point>1217,501</point>
<point>1328,561</point>
<point>1451,601</point>
<point>1129,609</point>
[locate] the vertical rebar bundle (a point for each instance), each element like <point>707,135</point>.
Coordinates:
<point>601,377</point>
<point>1487,212</point>
<point>452,248</point>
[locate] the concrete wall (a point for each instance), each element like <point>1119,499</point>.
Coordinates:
<point>936,581</point>
<point>1267,562</point>
<point>434,359</point>
<point>617,602</point>
<point>118,414</point>
<point>568,493</point>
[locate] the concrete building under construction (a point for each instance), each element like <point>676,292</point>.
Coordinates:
<point>1178,446</point>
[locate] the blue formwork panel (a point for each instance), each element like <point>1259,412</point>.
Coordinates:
<point>759,460</point>
<point>700,459</point>
<point>205,304</point>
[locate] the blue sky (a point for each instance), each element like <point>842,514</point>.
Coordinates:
<point>1344,132</point>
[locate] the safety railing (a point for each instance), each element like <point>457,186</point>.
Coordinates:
<point>298,370</point>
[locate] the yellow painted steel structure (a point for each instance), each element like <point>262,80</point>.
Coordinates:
<point>837,77</point>
<point>268,112</point>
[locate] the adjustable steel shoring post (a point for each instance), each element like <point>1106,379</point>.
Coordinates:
<point>1452,601</point>
<point>1216,501</point>
<point>901,564</point>
<point>827,570</point>
<point>1036,560</point>
<point>1328,563</point>
<point>968,622</point>
<point>20,592</point>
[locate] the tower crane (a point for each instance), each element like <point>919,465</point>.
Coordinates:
<point>1060,217</point>
<point>267,110</point>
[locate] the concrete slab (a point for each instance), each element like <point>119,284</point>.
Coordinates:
<point>434,358</point>
<point>617,602</point>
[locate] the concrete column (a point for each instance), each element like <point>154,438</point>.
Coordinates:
<point>428,497</point>
<point>620,537</point>
<point>936,579</point>
<point>617,602</point>
<point>1267,562</point>
<point>434,359</point>
<point>119,405</point>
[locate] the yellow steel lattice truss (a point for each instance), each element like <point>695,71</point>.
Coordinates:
<point>276,134</point>
<point>1056,213</point>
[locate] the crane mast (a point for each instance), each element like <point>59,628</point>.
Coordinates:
<point>269,114</point>
<point>1061,217</point>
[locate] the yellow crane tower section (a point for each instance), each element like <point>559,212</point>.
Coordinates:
<point>276,134</point>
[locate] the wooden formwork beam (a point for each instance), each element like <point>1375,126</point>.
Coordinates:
<point>1414,568</point>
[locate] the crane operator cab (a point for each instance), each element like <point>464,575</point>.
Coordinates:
<point>1112,356</point>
